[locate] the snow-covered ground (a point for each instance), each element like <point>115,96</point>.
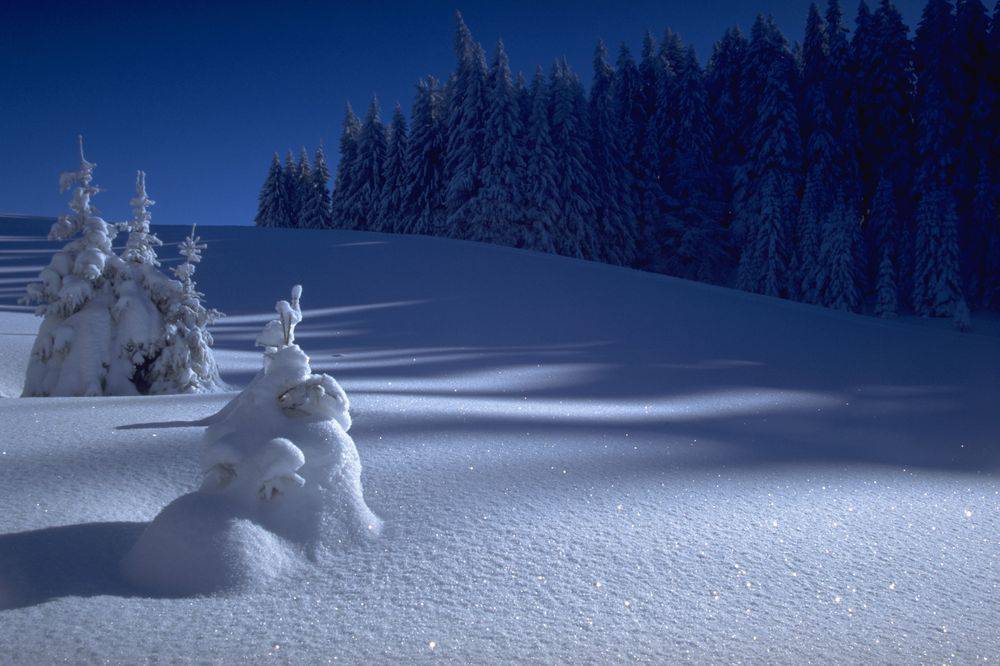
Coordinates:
<point>573,462</point>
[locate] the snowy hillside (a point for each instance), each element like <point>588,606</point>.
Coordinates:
<point>572,462</point>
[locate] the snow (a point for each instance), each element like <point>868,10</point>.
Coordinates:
<point>572,462</point>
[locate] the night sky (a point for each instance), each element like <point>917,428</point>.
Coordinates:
<point>200,94</point>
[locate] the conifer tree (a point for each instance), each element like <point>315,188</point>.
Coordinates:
<point>423,206</point>
<point>839,276</point>
<point>323,215</point>
<point>344,182</point>
<point>884,226</point>
<point>724,78</point>
<point>576,233</point>
<point>495,212</point>
<point>367,175</point>
<point>817,197</point>
<point>273,205</point>
<point>140,247</point>
<point>464,154</point>
<point>698,250</point>
<point>292,181</point>
<point>540,182</point>
<point>611,202</point>
<point>766,215</point>
<point>394,178</point>
<point>186,363</point>
<point>937,288</point>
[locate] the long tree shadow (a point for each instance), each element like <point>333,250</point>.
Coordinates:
<point>66,561</point>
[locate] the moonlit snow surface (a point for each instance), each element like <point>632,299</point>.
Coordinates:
<point>573,462</point>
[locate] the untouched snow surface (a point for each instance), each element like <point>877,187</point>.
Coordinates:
<point>573,462</point>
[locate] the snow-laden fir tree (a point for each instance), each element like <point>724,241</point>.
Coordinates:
<point>494,214</point>
<point>140,247</point>
<point>612,203</point>
<point>109,322</point>
<point>838,277</point>
<point>575,229</point>
<point>316,212</point>
<point>363,199</point>
<point>273,206</point>
<point>394,178</point>
<point>698,247</point>
<point>767,213</point>
<point>818,195</point>
<point>465,102</point>
<point>344,182</point>
<point>728,114</point>
<point>302,186</point>
<point>937,287</point>
<point>540,188</point>
<point>72,351</point>
<point>186,363</point>
<point>279,469</point>
<point>290,175</point>
<point>423,207</point>
<point>883,222</point>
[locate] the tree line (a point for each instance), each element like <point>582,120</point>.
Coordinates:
<point>854,170</point>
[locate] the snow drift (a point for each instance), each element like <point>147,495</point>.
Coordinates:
<point>574,463</point>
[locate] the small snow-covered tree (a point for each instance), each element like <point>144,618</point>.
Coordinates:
<point>71,353</point>
<point>117,325</point>
<point>186,363</point>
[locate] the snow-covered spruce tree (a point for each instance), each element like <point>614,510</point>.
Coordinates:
<point>112,324</point>
<point>290,178</point>
<point>303,189</point>
<point>618,233</point>
<point>344,182</point>
<point>186,363</point>
<point>280,473</point>
<point>495,212</point>
<point>273,206</point>
<point>937,286</point>
<point>699,251</point>
<point>883,224</point>
<point>540,190</point>
<point>886,291</point>
<point>394,177</point>
<point>575,229</point>
<point>316,209</point>
<point>817,197</point>
<point>772,167</point>
<point>976,96</point>
<point>884,96</point>
<point>72,351</point>
<point>839,275</point>
<point>465,102</point>
<point>140,291</point>
<point>363,199</point>
<point>423,206</point>
<point>728,114</point>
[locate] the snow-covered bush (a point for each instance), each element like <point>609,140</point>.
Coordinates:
<point>116,325</point>
<point>280,475</point>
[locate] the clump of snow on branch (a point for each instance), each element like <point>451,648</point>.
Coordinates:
<point>280,476</point>
<point>116,325</point>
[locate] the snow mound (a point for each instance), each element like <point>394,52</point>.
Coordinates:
<point>279,469</point>
<point>203,543</point>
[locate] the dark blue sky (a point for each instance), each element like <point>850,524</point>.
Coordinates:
<point>200,94</point>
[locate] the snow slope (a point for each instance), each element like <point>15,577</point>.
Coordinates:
<point>573,462</point>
